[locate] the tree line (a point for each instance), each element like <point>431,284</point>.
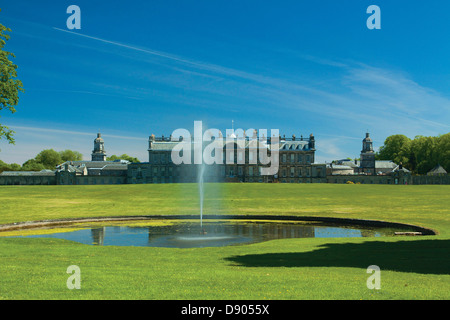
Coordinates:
<point>49,159</point>
<point>418,155</point>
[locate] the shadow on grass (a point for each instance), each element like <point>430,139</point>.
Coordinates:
<point>418,256</point>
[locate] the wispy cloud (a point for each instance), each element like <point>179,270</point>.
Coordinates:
<point>69,132</point>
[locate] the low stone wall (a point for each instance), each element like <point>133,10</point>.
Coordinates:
<point>444,179</point>
<point>27,180</point>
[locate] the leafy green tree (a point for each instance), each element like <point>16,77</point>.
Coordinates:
<point>424,153</point>
<point>396,148</point>
<point>49,158</point>
<point>9,85</point>
<point>443,149</point>
<point>9,167</point>
<point>32,165</point>
<point>123,157</point>
<point>69,155</point>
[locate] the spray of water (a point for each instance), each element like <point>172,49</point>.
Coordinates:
<point>201,191</point>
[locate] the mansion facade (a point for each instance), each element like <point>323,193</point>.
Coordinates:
<point>295,165</point>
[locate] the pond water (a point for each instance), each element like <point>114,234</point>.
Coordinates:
<point>189,234</point>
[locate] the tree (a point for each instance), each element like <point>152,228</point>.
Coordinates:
<point>69,155</point>
<point>32,165</point>
<point>123,157</point>
<point>443,149</point>
<point>9,167</point>
<point>49,158</point>
<point>424,153</point>
<point>9,85</point>
<point>396,148</point>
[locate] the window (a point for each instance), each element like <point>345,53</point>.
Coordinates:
<point>292,172</point>
<point>250,171</point>
<point>292,157</point>
<point>283,159</point>
<point>300,158</point>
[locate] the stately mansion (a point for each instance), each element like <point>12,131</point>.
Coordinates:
<point>296,164</point>
<point>240,163</point>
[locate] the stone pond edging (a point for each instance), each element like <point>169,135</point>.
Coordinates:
<point>341,221</point>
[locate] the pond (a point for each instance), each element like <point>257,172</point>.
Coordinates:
<point>189,234</point>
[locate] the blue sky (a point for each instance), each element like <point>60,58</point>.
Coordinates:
<point>142,67</point>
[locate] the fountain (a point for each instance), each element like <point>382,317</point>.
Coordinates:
<point>201,192</point>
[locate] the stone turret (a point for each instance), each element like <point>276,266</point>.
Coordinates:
<point>99,153</point>
<point>367,144</point>
<point>367,156</point>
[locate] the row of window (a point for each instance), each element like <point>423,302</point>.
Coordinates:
<point>295,158</point>
<point>238,158</point>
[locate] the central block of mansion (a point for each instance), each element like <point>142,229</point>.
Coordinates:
<point>296,164</point>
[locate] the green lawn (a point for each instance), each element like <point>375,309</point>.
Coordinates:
<point>313,268</point>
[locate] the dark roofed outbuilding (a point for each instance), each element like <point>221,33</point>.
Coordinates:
<point>437,171</point>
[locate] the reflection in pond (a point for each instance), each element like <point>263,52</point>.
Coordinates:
<point>189,234</point>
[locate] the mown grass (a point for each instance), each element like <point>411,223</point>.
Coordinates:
<point>411,267</point>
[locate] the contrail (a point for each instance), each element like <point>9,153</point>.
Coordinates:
<point>199,65</point>
<point>153,52</point>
